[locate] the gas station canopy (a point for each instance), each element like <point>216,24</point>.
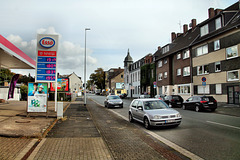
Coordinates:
<point>12,57</point>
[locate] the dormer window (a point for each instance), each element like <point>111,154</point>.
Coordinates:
<point>218,23</point>
<point>204,30</point>
<point>166,49</point>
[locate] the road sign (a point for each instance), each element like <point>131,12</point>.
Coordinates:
<point>204,83</point>
<point>47,46</point>
<point>204,79</point>
<point>154,83</point>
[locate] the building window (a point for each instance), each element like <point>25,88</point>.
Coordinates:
<point>184,89</point>
<point>165,49</point>
<point>186,71</point>
<point>217,66</point>
<point>218,23</point>
<point>204,69</point>
<point>138,75</point>
<point>179,72</point>
<point>186,54</point>
<point>202,50</point>
<point>216,45</point>
<point>160,64</point>
<point>159,76</point>
<point>179,56</point>
<point>204,30</point>
<point>165,74</point>
<point>121,76</point>
<point>232,52</point>
<point>232,75</point>
<point>218,88</point>
<point>165,61</point>
<point>152,73</point>
<point>203,89</point>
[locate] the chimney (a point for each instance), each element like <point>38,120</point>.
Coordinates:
<point>194,23</point>
<point>217,11</point>
<point>185,28</point>
<point>159,48</point>
<point>173,36</point>
<point>179,34</point>
<point>211,13</point>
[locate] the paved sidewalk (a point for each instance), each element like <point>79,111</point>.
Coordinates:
<point>74,138</point>
<point>14,123</point>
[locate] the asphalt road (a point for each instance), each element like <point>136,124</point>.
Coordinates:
<point>206,134</point>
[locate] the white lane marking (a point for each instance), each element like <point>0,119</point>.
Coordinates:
<point>226,125</point>
<point>163,140</point>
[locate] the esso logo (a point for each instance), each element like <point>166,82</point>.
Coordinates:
<point>47,42</point>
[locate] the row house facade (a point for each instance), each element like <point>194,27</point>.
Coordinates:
<point>216,55</point>
<point>173,63</point>
<point>210,49</point>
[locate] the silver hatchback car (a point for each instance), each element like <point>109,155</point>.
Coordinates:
<point>153,112</point>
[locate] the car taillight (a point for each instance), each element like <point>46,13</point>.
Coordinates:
<point>160,98</point>
<point>215,101</point>
<point>172,100</point>
<point>203,101</point>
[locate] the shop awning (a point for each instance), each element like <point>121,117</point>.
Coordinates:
<point>12,57</point>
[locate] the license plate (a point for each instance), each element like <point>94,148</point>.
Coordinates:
<point>117,106</point>
<point>178,102</point>
<point>210,103</point>
<point>170,121</point>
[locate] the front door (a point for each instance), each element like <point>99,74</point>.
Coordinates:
<point>233,94</point>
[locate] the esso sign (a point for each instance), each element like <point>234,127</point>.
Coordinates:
<point>47,42</point>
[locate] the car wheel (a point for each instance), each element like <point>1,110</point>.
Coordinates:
<point>146,123</point>
<point>130,117</point>
<point>184,107</point>
<point>197,109</point>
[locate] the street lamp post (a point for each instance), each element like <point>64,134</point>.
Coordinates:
<point>85,60</point>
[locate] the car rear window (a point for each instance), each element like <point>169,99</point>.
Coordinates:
<point>175,97</point>
<point>211,99</point>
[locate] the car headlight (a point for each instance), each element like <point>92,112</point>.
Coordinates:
<point>178,115</point>
<point>157,117</point>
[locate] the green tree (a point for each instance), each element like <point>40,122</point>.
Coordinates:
<point>5,76</point>
<point>97,78</point>
<point>24,91</point>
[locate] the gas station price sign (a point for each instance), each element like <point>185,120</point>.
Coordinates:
<point>46,58</point>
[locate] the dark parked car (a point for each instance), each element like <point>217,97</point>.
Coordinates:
<point>113,101</point>
<point>124,95</point>
<point>174,100</point>
<point>199,103</point>
<point>160,96</point>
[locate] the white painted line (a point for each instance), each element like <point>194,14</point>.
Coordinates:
<point>163,140</point>
<point>226,125</point>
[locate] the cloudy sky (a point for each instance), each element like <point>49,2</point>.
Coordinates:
<point>116,25</point>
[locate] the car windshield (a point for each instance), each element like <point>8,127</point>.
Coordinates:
<point>175,97</point>
<point>150,105</point>
<point>113,97</point>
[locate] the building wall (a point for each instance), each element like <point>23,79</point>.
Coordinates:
<point>218,78</point>
<point>75,83</point>
<point>118,79</point>
<point>4,94</point>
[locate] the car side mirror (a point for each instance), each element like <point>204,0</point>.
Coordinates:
<point>187,100</point>
<point>140,108</point>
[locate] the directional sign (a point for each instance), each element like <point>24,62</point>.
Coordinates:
<point>204,83</point>
<point>46,58</point>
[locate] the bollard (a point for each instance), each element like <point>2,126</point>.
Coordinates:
<point>59,110</point>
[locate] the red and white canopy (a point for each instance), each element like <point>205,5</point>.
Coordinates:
<point>12,57</point>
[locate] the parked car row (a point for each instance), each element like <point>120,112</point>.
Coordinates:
<point>159,111</point>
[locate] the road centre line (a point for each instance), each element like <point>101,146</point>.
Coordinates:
<point>163,140</point>
<point>226,125</point>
